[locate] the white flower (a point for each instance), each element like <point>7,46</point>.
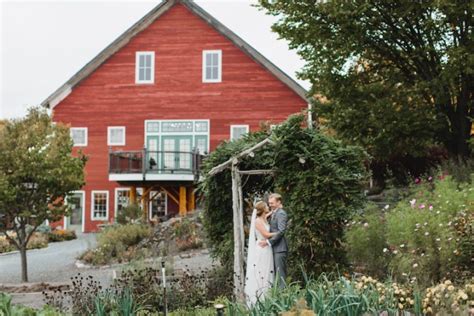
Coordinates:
<point>415,265</point>
<point>426,233</point>
<point>366,224</point>
<point>437,212</point>
<point>425,223</point>
<point>402,245</point>
<point>385,249</point>
<point>387,207</point>
<point>437,239</point>
<point>395,252</point>
<point>413,202</point>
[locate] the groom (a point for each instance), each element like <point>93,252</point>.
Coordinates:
<point>278,223</point>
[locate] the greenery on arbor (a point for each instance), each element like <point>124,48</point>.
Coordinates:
<point>319,178</point>
<point>397,77</point>
<point>37,171</point>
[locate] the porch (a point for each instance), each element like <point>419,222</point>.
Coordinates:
<point>172,172</point>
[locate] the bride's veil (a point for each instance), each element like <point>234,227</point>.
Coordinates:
<point>250,283</point>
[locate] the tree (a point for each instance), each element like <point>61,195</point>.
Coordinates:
<point>394,72</point>
<point>37,171</point>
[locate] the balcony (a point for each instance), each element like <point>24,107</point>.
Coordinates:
<point>145,165</point>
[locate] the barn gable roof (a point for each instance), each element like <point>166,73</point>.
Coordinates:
<point>63,91</point>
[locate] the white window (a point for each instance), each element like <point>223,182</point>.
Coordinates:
<point>237,131</point>
<point>116,136</point>
<point>212,66</point>
<point>145,67</point>
<point>122,199</point>
<point>100,205</point>
<point>79,136</point>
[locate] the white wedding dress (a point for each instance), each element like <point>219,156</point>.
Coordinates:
<point>259,276</point>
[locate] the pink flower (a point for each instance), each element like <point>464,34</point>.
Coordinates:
<point>430,178</point>
<point>422,206</point>
<point>431,207</point>
<point>417,180</point>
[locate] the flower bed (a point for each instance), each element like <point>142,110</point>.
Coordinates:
<point>61,235</point>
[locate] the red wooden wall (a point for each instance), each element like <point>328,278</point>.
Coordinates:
<point>248,93</point>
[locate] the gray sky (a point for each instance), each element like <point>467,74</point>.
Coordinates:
<point>44,43</point>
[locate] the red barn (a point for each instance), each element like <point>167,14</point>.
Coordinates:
<point>173,86</point>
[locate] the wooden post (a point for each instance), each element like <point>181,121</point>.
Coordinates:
<point>145,203</point>
<point>191,199</point>
<point>239,277</point>
<point>182,201</point>
<point>133,195</point>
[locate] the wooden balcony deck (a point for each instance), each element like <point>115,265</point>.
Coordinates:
<point>145,165</point>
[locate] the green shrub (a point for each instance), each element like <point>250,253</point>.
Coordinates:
<point>37,241</point>
<point>61,235</point>
<point>425,238</point>
<point>117,243</point>
<point>5,245</point>
<point>8,309</point>
<point>187,234</point>
<point>425,241</point>
<point>365,242</point>
<point>129,214</point>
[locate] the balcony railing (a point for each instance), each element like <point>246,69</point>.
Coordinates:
<point>155,162</point>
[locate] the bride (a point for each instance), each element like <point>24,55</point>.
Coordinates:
<point>259,276</point>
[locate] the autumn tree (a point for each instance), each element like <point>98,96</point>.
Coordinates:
<point>37,171</point>
<point>397,76</point>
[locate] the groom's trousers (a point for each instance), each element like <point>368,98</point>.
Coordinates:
<point>280,267</point>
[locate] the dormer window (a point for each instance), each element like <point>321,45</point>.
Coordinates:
<point>145,67</point>
<point>212,66</point>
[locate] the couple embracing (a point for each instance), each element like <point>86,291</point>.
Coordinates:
<point>267,249</point>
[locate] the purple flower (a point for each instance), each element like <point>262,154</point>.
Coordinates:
<point>417,180</point>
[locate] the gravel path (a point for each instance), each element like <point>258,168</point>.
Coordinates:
<point>56,263</point>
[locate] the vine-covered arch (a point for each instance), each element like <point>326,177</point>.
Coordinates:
<point>319,178</point>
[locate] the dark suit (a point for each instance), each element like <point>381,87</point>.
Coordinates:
<point>278,224</point>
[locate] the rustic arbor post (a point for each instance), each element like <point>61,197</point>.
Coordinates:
<point>238,213</point>
<point>238,233</point>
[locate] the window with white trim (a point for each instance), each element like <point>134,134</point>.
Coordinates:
<point>100,205</point>
<point>212,66</point>
<point>116,136</point>
<point>122,199</point>
<point>79,136</point>
<point>237,131</point>
<point>145,67</point>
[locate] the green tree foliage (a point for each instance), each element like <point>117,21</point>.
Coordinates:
<point>320,180</point>
<point>37,171</point>
<point>398,75</point>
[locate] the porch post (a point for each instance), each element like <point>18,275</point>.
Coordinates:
<point>191,199</point>
<point>133,195</point>
<point>145,203</point>
<point>182,201</point>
